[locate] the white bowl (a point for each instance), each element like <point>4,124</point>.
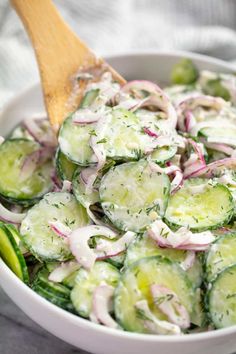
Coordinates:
<point>75,330</point>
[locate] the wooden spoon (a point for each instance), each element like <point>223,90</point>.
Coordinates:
<point>60,55</point>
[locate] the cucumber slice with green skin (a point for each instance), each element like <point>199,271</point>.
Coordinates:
<point>65,168</point>
<point>18,238</point>
<point>11,254</point>
<point>12,155</point>
<point>134,286</point>
<point>70,280</point>
<point>79,190</point>
<point>131,192</point>
<point>79,187</point>
<point>215,88</point>
<point>57,294</point>
<point>214,155</point>
<point>199,315</point>
<point>163,154</point>
<point>63,303</point>
<point>20,132</point>
<point>117,261</point>
<point>89,98</point>
<point>221,255</point>
<point>225,134</point>
<point>43,243</point>
<point>221,298</point>
<point>74,141</point>
<point>144,246</point>
<point>209,208</point>
<point>57,289</point>
<point>124,138</point>
<point>87,281</point>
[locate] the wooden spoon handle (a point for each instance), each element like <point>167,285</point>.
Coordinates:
<point>59,51</point>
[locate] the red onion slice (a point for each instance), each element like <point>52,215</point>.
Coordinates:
<point>196,159</point>
<point>181,239</point>
<point>9,216</point>
<point>177,182</point>
<point>191,103</point>
<point>60,229</point>
<point>63,271</point>
<point>157,97</point>
<point>168,302</point>
<point>78,242</point>
<point>102,299</point>
<point>33,161</point>
<point>67,186</point>
<point>107,249</point>
<point>190,121</point>
<point>167,170</point>
<point>189,260</point>
<point>220,147</point>
<point>29,165</point>
<point>32,125</point>
<point>33,129</point>
<point>198,149</point>
<point>86,174</point>
<point>150,132</point>
<point>153,324</point>
<point>56,182</point>
<point>209,169</point>
<point>93,217</point>
<point>172,169</point>
<point>85,116</point>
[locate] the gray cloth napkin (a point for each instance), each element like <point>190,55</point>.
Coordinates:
<point>109,27</point>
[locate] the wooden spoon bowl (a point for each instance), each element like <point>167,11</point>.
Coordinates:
<point>60,55</point>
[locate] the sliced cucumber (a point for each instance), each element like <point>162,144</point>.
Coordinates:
<point>19,132</point>
<point>209,208</point>
<point>117,261</point>
<point>37,234</point>
<point>221,255</point>
<point>199,315</point>
<point>58,294</point>
<point>79,190</point>
<point>74,141</point>
<point>135,283</point>
<point>163,154</point>
<point>130,193</point>
<point>215,87</point>
<point>124,138</point>
<point>70,280</point>
<point>222,298</point>
<point>86,282</point>
<point>12,155</point>
<point>56,288</point>
<point>89,98</point>
<point>65,168</point>
<point>225,134</point>
<point>18,238</point>
<point>214,155</point>
<point>144,246</point>
<point>63,303</point>
<point>11,254</point>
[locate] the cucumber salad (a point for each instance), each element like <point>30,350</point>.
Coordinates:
<point>127,217</point>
